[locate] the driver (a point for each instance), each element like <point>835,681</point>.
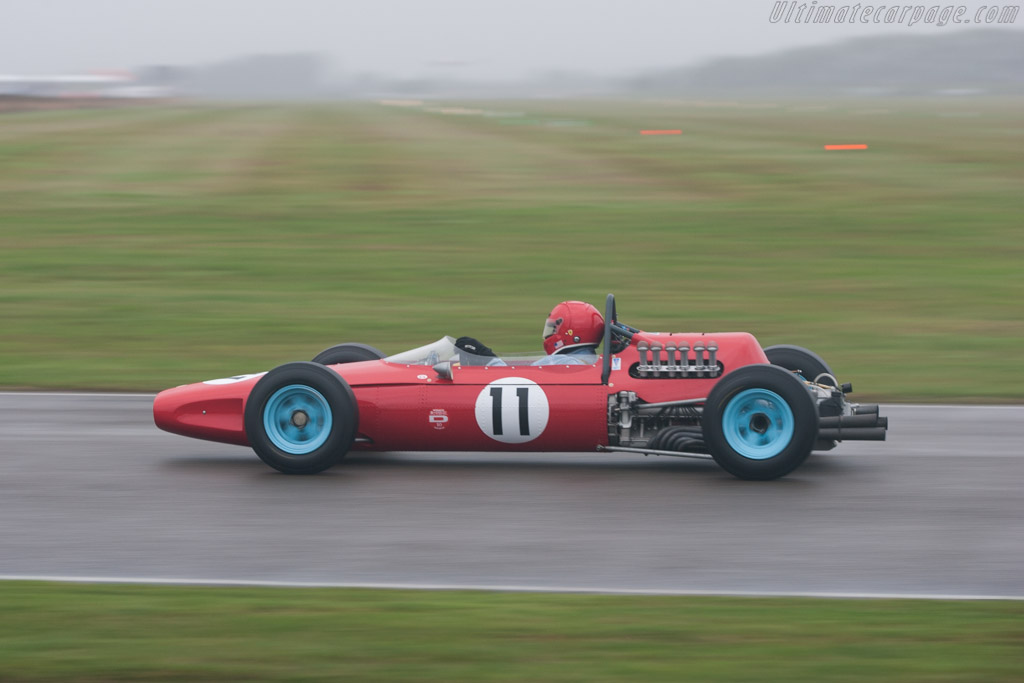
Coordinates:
<point>572,333</point>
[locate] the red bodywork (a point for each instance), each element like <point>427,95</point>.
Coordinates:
<point>409,408</point>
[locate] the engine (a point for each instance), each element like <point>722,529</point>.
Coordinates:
<point>671,361</point>
<point>676,425</point>
<point>672,425</point>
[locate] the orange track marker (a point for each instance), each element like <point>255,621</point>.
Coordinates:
<point>661,132</point>
<point>846,147</point>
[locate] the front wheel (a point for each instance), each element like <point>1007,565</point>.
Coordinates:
<point>349,352</point>
<point>760,422</point>
<point>301,418</point>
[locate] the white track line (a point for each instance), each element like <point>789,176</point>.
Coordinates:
<point>968,406</point>
<point>499,588</point>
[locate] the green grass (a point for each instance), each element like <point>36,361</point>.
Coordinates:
<point>144,248</point>
<point>94,633</point>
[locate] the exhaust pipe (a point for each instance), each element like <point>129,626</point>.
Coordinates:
<point>852,433</point>
<point>854,421</point>
<point>864,425</point>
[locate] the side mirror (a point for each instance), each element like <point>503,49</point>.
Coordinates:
<point>443,369</point>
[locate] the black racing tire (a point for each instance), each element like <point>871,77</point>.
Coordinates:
<point>301,418</point>
<point>800,360</point>
<point>347,353</point>
<point>760,422</point>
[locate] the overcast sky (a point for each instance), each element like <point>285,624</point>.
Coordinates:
<point>454,38</point>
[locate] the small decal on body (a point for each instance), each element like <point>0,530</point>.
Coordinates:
<point>438,417</point>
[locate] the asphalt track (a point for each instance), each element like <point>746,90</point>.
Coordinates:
<point>90,488</point>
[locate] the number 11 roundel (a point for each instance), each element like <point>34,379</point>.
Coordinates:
<point>512,410</point>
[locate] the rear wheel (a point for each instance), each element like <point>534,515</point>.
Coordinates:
<point>347,353</point>
<point>803,361</point>
<point>301,418</point>
<point>760,422</point>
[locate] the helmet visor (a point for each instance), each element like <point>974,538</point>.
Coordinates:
<point>550,326</point>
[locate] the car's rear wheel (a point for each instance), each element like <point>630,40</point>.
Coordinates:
<point>347,353</point>
<point>760,422</point>
<point>301,418</point>
<point>804,362</point>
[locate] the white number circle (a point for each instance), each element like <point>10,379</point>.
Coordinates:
<point>512,410</point>
<point>233,380</point>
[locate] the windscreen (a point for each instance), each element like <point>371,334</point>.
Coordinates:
<point>431,354</point>
<point>444,349</point>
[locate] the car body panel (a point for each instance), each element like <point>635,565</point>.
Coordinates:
<point>480,408</point>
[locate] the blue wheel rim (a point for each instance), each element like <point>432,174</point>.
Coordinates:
<point>758,424</point>
<point>297,419</point>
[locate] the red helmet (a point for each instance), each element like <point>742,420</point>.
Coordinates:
<point>572,323</point>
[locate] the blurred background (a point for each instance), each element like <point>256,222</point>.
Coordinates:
<point>191,190</point>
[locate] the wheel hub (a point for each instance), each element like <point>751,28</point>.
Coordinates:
<point>760,423</point>
<point>297,419</point>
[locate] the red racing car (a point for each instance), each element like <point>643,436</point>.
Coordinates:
<point>758,412</point>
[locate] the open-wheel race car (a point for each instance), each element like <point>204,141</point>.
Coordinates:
<point>758,412</point>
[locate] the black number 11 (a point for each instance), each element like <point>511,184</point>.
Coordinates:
<point>524,410</point>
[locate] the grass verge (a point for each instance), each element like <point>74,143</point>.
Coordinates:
<point>144,248</point>
<point>111,632</point>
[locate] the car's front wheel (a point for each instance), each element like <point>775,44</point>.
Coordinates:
<point>301,418</point>
<point>349,352</point>
<point>760,422</point>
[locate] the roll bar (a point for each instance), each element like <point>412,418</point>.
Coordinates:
<point>612,325</point>
<point>609,319</point>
